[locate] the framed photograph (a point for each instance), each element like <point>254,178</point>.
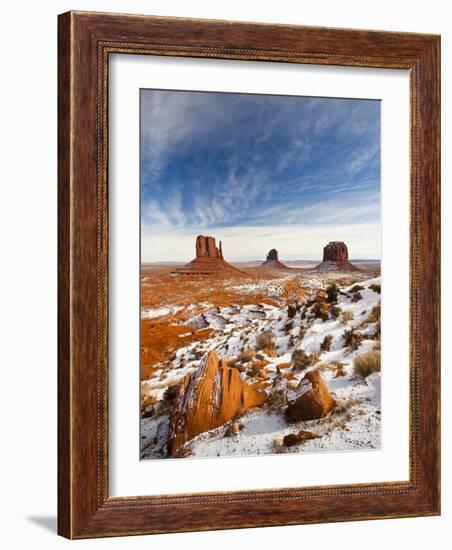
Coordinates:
<point>249,259</point>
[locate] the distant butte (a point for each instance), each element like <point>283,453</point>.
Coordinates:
<point>335,258</point>
<point>272,261</point>
<point>209,259</point>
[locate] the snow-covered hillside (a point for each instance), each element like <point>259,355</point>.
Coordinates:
<point>274,346</point>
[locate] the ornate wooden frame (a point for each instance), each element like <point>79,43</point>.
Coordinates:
<point>85,42</point>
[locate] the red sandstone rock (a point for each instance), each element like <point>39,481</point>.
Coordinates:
<point>335,258</point>
<point>208,398</point>
<point>315,400</point>
<point>272,261</point>
<point>209,259</point>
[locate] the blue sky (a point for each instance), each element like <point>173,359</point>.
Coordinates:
<point>258,172</point>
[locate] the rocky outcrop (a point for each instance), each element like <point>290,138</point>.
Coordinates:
<point>206,247</point>
<point>208,398</point>
<point>209,259</point>
<point>314,399</point>
<point>272,261</point>
<point>335,258</point>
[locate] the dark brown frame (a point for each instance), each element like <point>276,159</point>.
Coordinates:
<point>84,44</point>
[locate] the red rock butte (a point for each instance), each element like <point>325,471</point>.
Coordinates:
<point>335,258</point>
<point>272,261</point>
<point>209,259</point>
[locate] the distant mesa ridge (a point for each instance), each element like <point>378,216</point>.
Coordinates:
<point>209,259</point>
<point>335,258</point>
<point>272,261</point>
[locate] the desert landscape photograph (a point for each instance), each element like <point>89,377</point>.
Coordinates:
<point>260,276</point>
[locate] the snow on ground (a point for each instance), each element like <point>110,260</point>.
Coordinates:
<point>160,312</point>
<point>237,328</point>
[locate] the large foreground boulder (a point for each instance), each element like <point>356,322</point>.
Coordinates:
<point>208,398</point>
<point>314,400</point>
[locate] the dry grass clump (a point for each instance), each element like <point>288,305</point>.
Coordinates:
<point>326,344</point>
<point>277,400</point>
<point>357,296</point>
<point>319,310</point>
<point>246,355</point>
<point>347,316</point>
<point>352,339</point>
<point>335,311</point>
<point>266,340</point>
<point>367,363</point>
<point>375,315</point>
<point>375,288</point>
<point>302,360</point>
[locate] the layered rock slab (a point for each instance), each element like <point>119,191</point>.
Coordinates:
<point>208,398</point>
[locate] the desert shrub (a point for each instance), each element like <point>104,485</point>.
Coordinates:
<point>288,327</point>
<point>374,315</point>
<point>265,340</point>
<point>302,332</point>
<point>326,344</point>
<point>375,288</point>
<point>356,288</point>
<point>335,311</point>
<point>253,370</point>
<point>347,316</point>
<point>246,355</point>
<point>332,292</point>
<point>291,311</point>
<point>320,310</point>
<point>170,393</point>
<point>302,360</point>
<point>351,339</point>
<point>357,296</point>
<point>277,399</point>
<point>367,363</point>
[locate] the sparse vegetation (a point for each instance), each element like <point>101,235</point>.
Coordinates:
<point>347,316</point>
<point>375,288</point>
<point>374,316</point>
<point>367,363</point>
<point>320,310</point>
<point>266,340</point>
<point>277,399</point>
<point>326,344</point>
<point>356,288</point>
<point>352,339</point>
<point>357,296</point>
<point>291,311</point>
<point>335,311</point>
<point>246,355</point>
<point>302,360</point>
<point>332,292</point>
